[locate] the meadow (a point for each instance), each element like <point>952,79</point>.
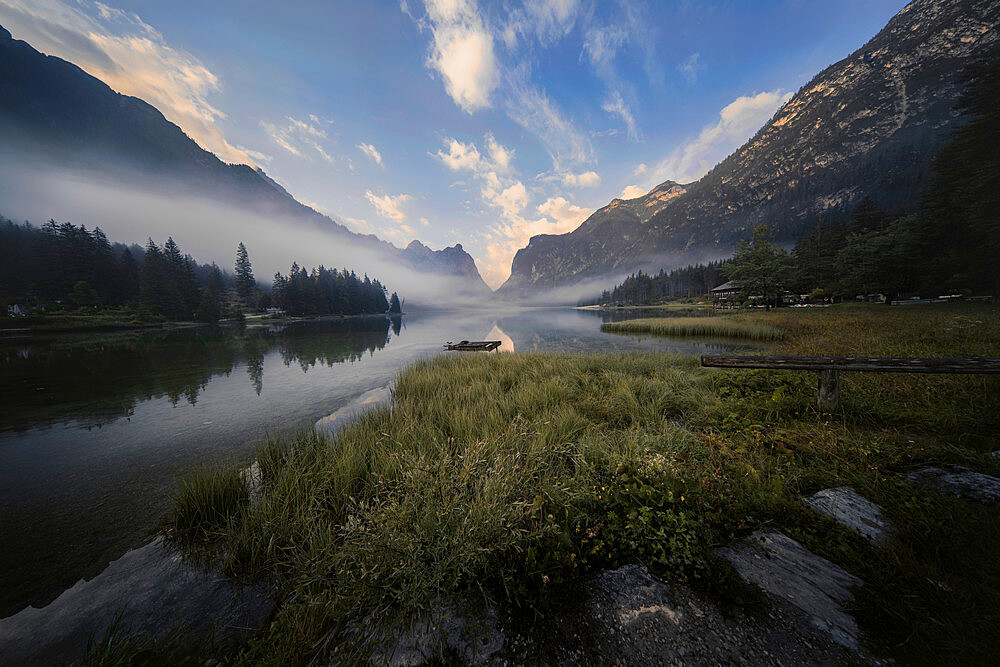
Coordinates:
<point>508,477</point>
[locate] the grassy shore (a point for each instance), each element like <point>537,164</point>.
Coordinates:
<point>507,477</point>
<point>709,327</point>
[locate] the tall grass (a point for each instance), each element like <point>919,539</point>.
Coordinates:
<point>206,501</point>
<point>501,476</point>
<point>713,327</point>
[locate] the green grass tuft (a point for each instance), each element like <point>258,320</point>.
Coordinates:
<point>709,327</point>
<point>206,502</point>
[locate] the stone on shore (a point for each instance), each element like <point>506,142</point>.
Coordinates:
<point>156,593</point>
<point>784,568</point>
<point>849,508</point>
<point>958,482</point>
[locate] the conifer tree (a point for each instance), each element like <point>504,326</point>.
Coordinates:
<point>245,282</point>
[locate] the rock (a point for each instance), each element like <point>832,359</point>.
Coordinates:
<point>155,590</point>
<point>784,568</point>
<point>848,508</point>
<point>959,482</point>
<point>633,593</point>
<point>472,638</point>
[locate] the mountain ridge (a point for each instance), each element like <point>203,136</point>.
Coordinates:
<point>868,124</point>
<point>53,111</point>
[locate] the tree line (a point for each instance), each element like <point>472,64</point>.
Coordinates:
<point>645,288</point>
<point>324,291</point>
<point>62,265</point>
<point>950,243</point>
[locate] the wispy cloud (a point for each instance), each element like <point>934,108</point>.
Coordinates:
<point>298,136</point>
<point>372,153</point>
<point>126,53</point>
<point>531,108</point>
<point>691,67</point>
<point>388,206</point>
<point>737,122</point>
<point>616,106</point>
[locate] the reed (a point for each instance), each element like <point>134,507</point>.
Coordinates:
<point>708,327</point>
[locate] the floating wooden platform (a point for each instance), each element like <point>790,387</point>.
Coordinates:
<point>473,346</point>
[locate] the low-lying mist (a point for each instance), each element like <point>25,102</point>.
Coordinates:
<point>207,229</point>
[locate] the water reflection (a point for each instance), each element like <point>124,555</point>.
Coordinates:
<point>91,382</point>
<point>95,430</point>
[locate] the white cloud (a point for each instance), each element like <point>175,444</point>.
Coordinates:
<point>467,157</point>
<point>500,155</point>
<point>558,216</point>
<point>131,57</point>
<point>389,206</point>
<point>737,122</point>
<point>631,192</point>
<point>372,153</point>
<point>297,136</point>
<point>587,179</point>
<point>425,222</point>
<point>641,169</point>
<point>566,216</point>
<point>460,156</point>
<point>691,67</point>
<point>616,106</point>
<point>462,53</point>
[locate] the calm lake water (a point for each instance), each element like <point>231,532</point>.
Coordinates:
<point>95,430</point>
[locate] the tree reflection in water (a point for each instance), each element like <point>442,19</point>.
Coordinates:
<point>93,381</point>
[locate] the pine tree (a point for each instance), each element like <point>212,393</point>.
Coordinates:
<point>760,268</point>
<point>245,282</point>
<point>394,305</point>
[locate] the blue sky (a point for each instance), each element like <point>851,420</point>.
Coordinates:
<point>451,120</point>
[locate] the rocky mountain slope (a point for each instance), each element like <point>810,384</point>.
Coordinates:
<point>867,125</point>
<point>54,114</point>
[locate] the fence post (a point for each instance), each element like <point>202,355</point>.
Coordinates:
<point>829,390</point>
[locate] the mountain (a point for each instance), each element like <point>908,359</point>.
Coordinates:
<point>868,125</point>
<point>54,113</point>
<point>453,261</point>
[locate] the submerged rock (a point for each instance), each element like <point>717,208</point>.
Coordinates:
<point>848,508</point>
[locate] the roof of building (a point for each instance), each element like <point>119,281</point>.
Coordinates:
<point>727,286</point>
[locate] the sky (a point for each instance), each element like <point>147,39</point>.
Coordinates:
<point>456,121</point>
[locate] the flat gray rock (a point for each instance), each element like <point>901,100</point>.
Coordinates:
<point>157,592</point>
<point>784,568</point>
<point>473,638</point>
<point>958,482</point>
<point>848,508</point>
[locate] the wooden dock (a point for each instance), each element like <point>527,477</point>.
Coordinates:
<point>473,346</point>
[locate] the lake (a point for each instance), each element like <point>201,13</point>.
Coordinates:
<point>96,429</point>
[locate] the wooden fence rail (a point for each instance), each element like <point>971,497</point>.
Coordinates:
<point>829,367</point>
